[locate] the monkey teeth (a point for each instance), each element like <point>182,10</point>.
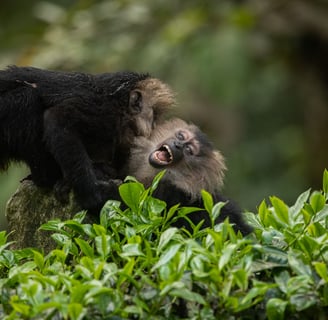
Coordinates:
<point>167,148</point>
<point>164,155</point>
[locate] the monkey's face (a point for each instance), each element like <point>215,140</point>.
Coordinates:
<point>185,153</point>
<point>148,102</point>
<point>182,146</point>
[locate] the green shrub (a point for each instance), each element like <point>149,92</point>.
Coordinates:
<point>134,265</point>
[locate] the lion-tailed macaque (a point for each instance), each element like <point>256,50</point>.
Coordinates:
<point>191,164</point>
<point>60,123</point>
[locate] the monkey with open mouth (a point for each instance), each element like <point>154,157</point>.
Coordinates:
<point>191,164</point>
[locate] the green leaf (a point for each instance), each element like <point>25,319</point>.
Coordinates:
<point>21,308</point>
<point>21,270</point>
<point>99,229</point>
<point>80,216</point>
<point>165,238</point>
<point>156,181</point>
<point>85,247</point>
<point>282,280</point>
<point>53,225</point>
<point>109,210</point>
<point>207,201</point>
<point>131,250</point>
<point>40,308</point>
<point>103,245</point>
<point>3,238</point>
<point>167,256</point>
<point>130,179</point>
<point>60,255</point>
<point>295,210</point>
<point>226,254</point>
<point>184,211</point>
<point>155,206</point>
<point>79,291</point>
<point>38,259</point>
<point>253,220</point>
<point>188,295</point>
<point>321,215</point>
<point>172,211</point>
<point>86,267</point>
<point>240,277</point>
<point>325,183</point>
<point>88,230</point>
<point>216,210</point>
<point>256,292</point>
<point>308,245</point>
<point>75,311</point>
<point>75,226</point>
<point>131,193</point>
<point>263,213</point>
<point>126,272</point>
<point>298,266</point>
<point>275,309</point>
<point>98,270</point>
<point>305,297</point>
<point>60,238</point>
<point>274,255</point>
<point>317,201</point>
<point>316,229</point>
<point>280,209</point>
<point>321,269</point>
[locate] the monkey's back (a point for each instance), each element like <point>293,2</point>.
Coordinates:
<point>51,86</point>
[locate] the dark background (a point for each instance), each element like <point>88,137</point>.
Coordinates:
<point>252,74</point>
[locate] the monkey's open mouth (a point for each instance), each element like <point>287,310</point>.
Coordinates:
<point>161,157</point>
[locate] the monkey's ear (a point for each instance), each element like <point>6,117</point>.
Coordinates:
<point>135,102</point>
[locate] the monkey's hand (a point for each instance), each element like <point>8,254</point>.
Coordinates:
<point>62,190</point>
<point>109,189</point>
<point>104,190</point>
<point>104,171</point>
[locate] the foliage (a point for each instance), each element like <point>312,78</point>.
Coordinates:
<point>135,265</point>
<point>239,69</point>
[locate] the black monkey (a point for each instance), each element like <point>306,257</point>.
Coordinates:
<point>59,123</point>
<point>191,165</point>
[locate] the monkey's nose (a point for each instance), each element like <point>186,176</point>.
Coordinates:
<point>178,145</point>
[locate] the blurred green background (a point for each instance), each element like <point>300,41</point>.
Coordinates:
<point>252,74</point>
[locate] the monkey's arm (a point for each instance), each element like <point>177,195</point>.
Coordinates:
<point>69,152</point>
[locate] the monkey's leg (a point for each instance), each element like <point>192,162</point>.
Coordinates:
<point>44,169</point>
<point>69,152</point>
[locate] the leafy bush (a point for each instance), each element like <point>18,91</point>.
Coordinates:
<point>134,265</point>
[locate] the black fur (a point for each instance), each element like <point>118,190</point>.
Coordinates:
<point>59,122</point>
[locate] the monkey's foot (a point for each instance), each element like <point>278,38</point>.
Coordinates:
<point>61,191</point>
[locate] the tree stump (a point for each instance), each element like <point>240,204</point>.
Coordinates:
<point>28,209</point>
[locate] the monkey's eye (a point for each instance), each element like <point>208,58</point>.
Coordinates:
<point>181,136</point>
<point>189,149</point>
